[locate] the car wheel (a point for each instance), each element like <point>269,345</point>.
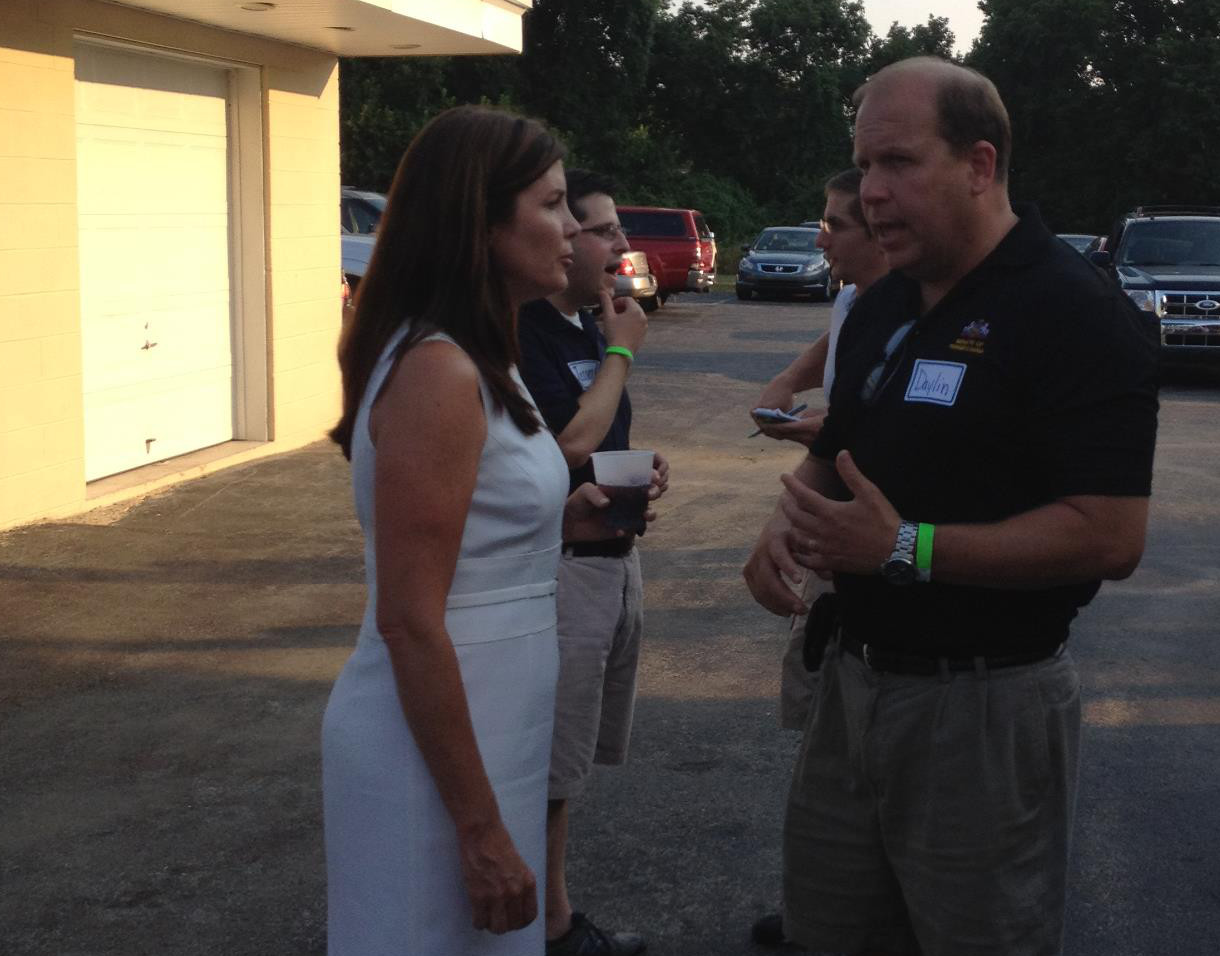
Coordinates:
<point>650,303</point>
<point>663,298</point>
<point>744,294</point>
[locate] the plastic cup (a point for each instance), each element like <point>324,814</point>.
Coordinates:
<point>624,477</point>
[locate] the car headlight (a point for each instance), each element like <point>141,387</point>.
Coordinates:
<point>1143,298</point>
<point>745,266</point>
<point>814,267</point>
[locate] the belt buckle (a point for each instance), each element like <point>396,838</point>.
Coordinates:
<point>867,653</point>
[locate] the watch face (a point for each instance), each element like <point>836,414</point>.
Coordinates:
<point>898,571</point>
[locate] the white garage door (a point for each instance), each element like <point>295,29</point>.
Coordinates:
<point>153,200</point>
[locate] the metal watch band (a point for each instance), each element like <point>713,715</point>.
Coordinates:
<point>904,544</point>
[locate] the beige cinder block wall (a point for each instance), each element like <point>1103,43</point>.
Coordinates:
<point>302,120</point>
<point>41,427</point>
<point>289,337</point>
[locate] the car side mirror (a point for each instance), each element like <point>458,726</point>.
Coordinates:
<point>745,248</point>
<point>1101,259</point>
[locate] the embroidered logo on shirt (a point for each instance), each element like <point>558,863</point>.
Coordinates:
<point>585,370</point>
<point>936,383</point>
<point>972,338</point>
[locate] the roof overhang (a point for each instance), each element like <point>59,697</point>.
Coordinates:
<point>363,27</point>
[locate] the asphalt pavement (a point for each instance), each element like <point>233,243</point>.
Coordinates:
<point>164,665</point>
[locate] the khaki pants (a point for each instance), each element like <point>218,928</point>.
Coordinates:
<point>796,683</point>
<point>933,808</point>
<point>600,606</point>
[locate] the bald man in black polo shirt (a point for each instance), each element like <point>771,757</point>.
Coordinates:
<point>985,464</point>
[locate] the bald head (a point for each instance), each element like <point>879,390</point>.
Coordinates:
<point>968,106</point>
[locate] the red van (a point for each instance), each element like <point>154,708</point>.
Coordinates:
<point>681,249</point>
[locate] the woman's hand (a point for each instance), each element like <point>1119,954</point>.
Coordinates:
<point>502,889</point>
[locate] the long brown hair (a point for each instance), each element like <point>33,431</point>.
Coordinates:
<point>432,263</point>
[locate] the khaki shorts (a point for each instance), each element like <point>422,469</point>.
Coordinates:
<point>795,682</point>
<point>934,809</point>
<point>600,605</point>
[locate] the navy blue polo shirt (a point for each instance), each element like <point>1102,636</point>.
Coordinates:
<point>1034,379</point>
<point>558,362</point>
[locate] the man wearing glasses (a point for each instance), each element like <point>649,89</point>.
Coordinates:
<point>577,378</point>
<point>985,464</point>
<point>856,259</point>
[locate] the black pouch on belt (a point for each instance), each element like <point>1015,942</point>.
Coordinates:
<point>819,629</point>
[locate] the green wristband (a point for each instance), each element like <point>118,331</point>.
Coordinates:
<point>619,350</point>
<point>923,551</point>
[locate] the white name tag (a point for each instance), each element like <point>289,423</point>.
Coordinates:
<point>585,370</point>
<point>935,382</point>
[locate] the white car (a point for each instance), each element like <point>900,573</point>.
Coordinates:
<point>357,250</point>
<point>360,210</point>
<point>636,280</point>
<point>359,214</point>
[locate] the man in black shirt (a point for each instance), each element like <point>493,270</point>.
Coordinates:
<point>986,463</point>
<point>577,378</point>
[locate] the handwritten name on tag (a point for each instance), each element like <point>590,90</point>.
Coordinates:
<point>584,370</point>
<point>935,382</point>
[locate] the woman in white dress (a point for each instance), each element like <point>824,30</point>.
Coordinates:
<point>437,735</point>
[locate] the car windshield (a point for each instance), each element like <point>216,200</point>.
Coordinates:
<point>662,224</point>
<point>1172,242</point>
<point>361,213</point>
<point>1079,243</point>
<point>786,240</point>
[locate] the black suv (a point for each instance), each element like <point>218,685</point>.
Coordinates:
<point>1167,259</point>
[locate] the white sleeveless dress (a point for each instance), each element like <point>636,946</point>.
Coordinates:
<point>394,880</point>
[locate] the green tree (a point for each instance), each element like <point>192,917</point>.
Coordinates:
<point>585,69</point>
<point>933,38</point>
<point>383,103</point>
<point>1112,104</point>
<point>802,51</point>
<point>754,91</point>
<point>1159,62</point>
<point>742,107</point>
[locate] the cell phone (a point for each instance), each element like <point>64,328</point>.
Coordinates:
<point>773,415</point>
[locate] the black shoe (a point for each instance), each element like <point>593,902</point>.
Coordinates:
<point>585,939</point>
<point>769,930</point>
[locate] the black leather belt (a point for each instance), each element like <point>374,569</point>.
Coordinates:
<point>612,548</point>
<point>893,662</point>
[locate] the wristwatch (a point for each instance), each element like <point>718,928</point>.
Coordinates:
<point>899,568</point>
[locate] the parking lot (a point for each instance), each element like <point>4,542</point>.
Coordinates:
<point>164,665</point>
